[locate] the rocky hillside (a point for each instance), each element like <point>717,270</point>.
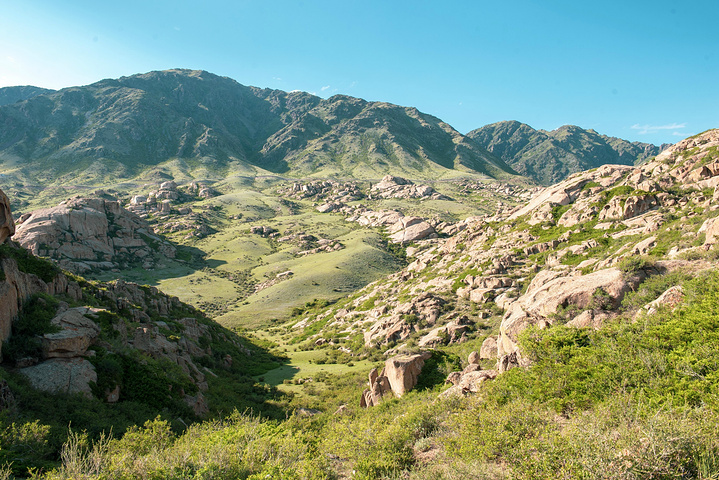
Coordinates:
<point>207,126</point>
<point>114,343</point>
<point>571,255</point>
<point>10,95</point>
<point>549,157</point>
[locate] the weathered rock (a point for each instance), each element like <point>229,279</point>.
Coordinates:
<point>64,344</point>
<point>412,233</point>
<point>643,247</point>
<point>473,358</point>
<point>62,375</point>
<point>471,381</point>
<point>671,297</point>
<point>398,187</point>
<point>489,348</point>
<point>636,205</point>
<point>711,228</point>
<point>550,290</point>
<point>454,378</point>
<point>17,287</point>
<point>7,224</point>
<point>84,233</point>
<point>402,371</point>
<point>589,318</point>
<point>451,333</point>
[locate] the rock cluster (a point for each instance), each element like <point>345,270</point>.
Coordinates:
<point>84,234</point>
<point>160,206</point>
<point>470,379</point>
<point>398,187</point>
<point>328,191</point>
<point>64,367</point>
<point>402,229</point>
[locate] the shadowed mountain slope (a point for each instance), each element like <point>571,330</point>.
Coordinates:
<point>10,95</point>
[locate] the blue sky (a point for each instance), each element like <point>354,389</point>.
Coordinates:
<point>639,70</point>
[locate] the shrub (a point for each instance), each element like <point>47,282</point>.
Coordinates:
<point>29,263</point>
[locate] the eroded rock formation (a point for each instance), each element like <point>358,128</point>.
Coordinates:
<point>83,234</point>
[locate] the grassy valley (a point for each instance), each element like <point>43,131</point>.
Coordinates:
<point>296,287</point>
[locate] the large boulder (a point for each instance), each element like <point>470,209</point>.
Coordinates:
<point>403,371</point>
<point>62,375</point>
<point>77,334</point>
<point>413,232</point>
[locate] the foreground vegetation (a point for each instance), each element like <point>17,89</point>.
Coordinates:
<point>636,399</point>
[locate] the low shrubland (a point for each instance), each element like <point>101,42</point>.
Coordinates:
<point>635,399</point>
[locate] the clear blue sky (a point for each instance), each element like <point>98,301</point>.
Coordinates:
<point>640,70</point>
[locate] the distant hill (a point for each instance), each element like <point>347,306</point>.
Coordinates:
<point>212,126</point>
<point>10,95</point>
<point>549,157</point>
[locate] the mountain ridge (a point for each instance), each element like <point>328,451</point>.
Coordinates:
<point>551,156</point>
<point>118,128</point>
<point>9,95</point>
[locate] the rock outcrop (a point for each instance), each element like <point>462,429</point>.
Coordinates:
<point>83,234</point>
<point>62,375</point>
<point>7,224</point>
<point>470,379</point>
<point>398,187</point>
<point>550,291</point>
<point>17,287</point>
<point>399,376</point>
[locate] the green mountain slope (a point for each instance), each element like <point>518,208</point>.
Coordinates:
<point>549,157</point>
<point>208,126</point>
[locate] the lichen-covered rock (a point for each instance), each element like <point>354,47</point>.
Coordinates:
<point>62,375</point>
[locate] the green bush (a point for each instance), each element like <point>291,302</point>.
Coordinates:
<point>34,321</point>
<point>29,263</point>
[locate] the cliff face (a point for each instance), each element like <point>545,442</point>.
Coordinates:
<point>17,286</point>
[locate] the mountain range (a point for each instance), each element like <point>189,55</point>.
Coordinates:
<point>213,126</point>
<point>550,157</point>
<point>196,125</point>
